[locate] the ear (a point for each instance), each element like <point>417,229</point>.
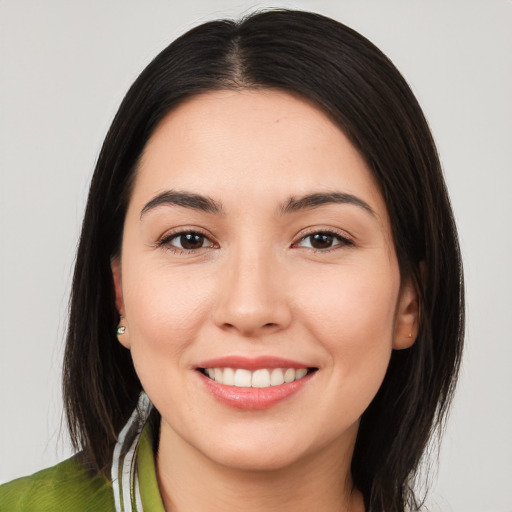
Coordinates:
<point>115,265</point>
<point>122,336</point>
<point>407,316</point>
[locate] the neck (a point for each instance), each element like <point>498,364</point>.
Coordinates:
<point>188,481</point>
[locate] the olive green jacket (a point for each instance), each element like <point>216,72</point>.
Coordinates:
<point>71,487</point>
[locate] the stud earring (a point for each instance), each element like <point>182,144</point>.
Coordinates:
<point>121,329</point>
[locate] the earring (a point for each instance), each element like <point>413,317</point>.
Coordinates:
<point>121,329</point>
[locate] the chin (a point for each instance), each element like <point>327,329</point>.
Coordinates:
<point>255,458</point>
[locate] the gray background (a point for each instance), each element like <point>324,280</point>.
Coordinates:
<point>64,67</point>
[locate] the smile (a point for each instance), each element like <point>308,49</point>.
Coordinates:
<point>254,383</point>
<point>260,378</point>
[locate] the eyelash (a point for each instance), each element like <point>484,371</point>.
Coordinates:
<point>165,242</point>
<point>343,240</point>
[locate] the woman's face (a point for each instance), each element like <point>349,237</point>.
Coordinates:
<point>258,280</point>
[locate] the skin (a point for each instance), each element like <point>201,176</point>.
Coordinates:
<point>258,287</point>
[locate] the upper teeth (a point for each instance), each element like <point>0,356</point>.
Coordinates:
<point>262,378</point>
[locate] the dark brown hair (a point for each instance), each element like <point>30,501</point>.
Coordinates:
<point>361,90</point>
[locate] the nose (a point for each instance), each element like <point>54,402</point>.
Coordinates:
<point>253,296</point>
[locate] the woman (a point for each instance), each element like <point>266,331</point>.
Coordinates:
<point>268,251</point>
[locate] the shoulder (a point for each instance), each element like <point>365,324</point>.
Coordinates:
<point>67,486</point>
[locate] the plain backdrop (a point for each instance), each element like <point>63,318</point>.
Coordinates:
<point>64,68</point>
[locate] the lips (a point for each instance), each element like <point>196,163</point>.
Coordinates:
<point>253,384</point>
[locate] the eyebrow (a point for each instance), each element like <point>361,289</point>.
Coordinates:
<point>185,199</point>
<point>311,201</point>
<point>294,204</point>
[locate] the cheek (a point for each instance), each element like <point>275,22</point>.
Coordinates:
<point>351,313</point>
<point>351,303</point>
<point>164,310</point>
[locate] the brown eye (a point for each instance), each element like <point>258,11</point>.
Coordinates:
<point>188,241</point>
<point>191,241</point>
<point>323,240</point>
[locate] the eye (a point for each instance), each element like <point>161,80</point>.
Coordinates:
<point>187,241</point>
<point>323,240</point>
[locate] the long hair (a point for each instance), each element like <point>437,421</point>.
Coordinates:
<point>358,87</point>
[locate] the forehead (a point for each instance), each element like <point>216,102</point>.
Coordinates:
<point>250,142</point>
